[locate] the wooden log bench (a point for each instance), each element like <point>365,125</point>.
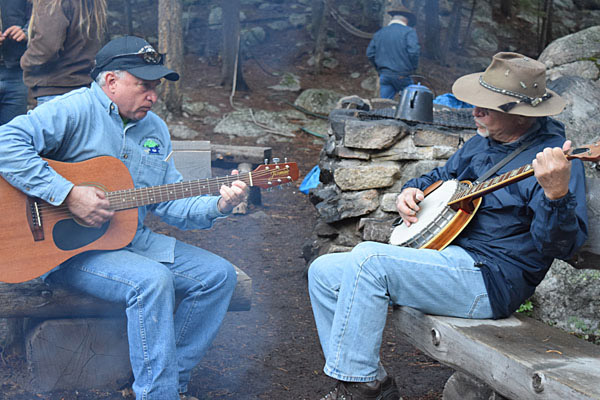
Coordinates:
<point>517,357</point>
<point>73,341</point>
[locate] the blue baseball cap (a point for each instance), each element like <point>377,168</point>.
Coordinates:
<point>134,55</point>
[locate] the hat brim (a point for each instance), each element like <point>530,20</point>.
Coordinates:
<point>468,89</point>
<point>153,72</point>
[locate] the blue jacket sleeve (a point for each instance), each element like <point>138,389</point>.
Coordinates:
<point>559,227</point>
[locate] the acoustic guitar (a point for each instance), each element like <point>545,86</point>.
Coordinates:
<point>38,236</point>
<point>449,206</point>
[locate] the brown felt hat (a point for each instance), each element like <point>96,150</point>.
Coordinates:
<point>401,10</point>
<point>513,84</point>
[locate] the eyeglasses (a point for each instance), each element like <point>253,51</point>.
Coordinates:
<point>149,56</point>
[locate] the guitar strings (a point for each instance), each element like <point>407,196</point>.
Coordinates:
<point>47,209</point>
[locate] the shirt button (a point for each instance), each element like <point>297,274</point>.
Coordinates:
<point>124,155</point>
<point>112,107</point>
<point>51,199</point>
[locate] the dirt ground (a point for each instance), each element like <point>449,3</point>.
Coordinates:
<point>271,351</point>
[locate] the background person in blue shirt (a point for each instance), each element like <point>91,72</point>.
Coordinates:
<point>113,118</point>
<point>498,259</point>
<point>394,51</point>
<point>13,42</point>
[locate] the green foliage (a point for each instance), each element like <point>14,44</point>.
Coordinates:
<point>526,308</point>
<point>584,331</point>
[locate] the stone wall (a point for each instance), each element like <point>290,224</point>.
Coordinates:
<point>364,164</point>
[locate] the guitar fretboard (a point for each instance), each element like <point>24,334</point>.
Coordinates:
<point>132,198</point>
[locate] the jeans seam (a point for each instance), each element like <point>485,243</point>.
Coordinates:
<point>140,307</point>
<point>478,298</point>
<point>192,306</point>
<point>338,350</point>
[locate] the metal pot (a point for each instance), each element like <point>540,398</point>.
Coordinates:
<point>416,104</point>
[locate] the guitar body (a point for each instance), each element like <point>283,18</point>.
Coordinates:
<point>26,253</point>
<point>438,224</point>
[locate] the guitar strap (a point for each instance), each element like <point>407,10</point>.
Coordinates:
<point>526,142</point>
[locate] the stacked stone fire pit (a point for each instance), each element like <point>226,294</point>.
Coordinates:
<point>367,158</point>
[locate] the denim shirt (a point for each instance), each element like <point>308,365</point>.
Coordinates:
<point>394,50</point>
<point>84,124</point>
<point>517,231</point>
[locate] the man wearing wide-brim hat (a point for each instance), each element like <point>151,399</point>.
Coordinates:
<point>499,258</point>
<point>394,51</point>
<point>139,269</point>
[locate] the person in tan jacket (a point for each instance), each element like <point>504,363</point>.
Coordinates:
<point>64,37</point>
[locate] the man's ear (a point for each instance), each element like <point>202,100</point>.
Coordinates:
<point>111,78</point>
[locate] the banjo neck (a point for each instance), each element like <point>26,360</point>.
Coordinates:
<point>472,192</point>
<point>462,197</point>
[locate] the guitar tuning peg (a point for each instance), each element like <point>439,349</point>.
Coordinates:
<point>285,160</point>
<point>266,161</point>
<point>275,160</point>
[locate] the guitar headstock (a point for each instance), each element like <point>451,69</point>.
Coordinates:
<point>270,175</point>
<point>590,152</point>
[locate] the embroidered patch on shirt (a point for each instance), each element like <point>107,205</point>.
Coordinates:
<point>151,147</point>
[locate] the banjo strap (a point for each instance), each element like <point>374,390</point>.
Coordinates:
<point>506,159</point>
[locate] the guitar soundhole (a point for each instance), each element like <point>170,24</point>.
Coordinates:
<point>69,235</point>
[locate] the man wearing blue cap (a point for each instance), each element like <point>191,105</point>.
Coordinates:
<point>113,118</point>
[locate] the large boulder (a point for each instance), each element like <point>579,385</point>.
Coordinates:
<point>568,298</point>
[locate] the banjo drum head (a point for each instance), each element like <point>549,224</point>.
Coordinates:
<point>434,205</point>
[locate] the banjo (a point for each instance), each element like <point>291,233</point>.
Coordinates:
<point>449,206</point>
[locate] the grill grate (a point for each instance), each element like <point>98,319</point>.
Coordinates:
<point>452,118</point>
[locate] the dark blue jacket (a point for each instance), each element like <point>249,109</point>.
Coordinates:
<point>14,12</point>
<point>394,50</point>
<point>517,231</point>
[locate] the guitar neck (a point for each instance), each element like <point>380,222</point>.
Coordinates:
<point>132,198</point>
<point>474,191</point>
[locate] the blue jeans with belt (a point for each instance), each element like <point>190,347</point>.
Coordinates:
<point>389,85</point>
<point>350,294</point>
<point>165,341</point>
<point>13,94</point>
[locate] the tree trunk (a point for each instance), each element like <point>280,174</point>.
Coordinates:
<point>505,8</point>
<point>128,17</point>
<point>467,35</point>
<point>546,32</point>
<point>170,42</point>
<point>320,31</point>
<point>432,30</point>
<point>232,62</point>
<point>453,30</point>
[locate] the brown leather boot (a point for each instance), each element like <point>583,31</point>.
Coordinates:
<point>384,390</point>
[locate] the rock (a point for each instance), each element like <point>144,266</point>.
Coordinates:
<point>374,135</point>
<point>579,46</point>
<point>289,82</point>
<point>368,176</point>
<point>182,132</point>
<point>376,230</point>
<point>569,299</point>
<point>319,101</point>
<point>255,123</point>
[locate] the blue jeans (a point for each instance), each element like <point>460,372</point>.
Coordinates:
<point>389,85</point>
<point>165,341</point>
<point>13,94</point>
<point>350,293</point>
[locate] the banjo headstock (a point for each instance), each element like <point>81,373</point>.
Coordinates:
<point>590,152</point>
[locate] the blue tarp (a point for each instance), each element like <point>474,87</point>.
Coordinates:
<point>448,99</point>
<point>311,180</point>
